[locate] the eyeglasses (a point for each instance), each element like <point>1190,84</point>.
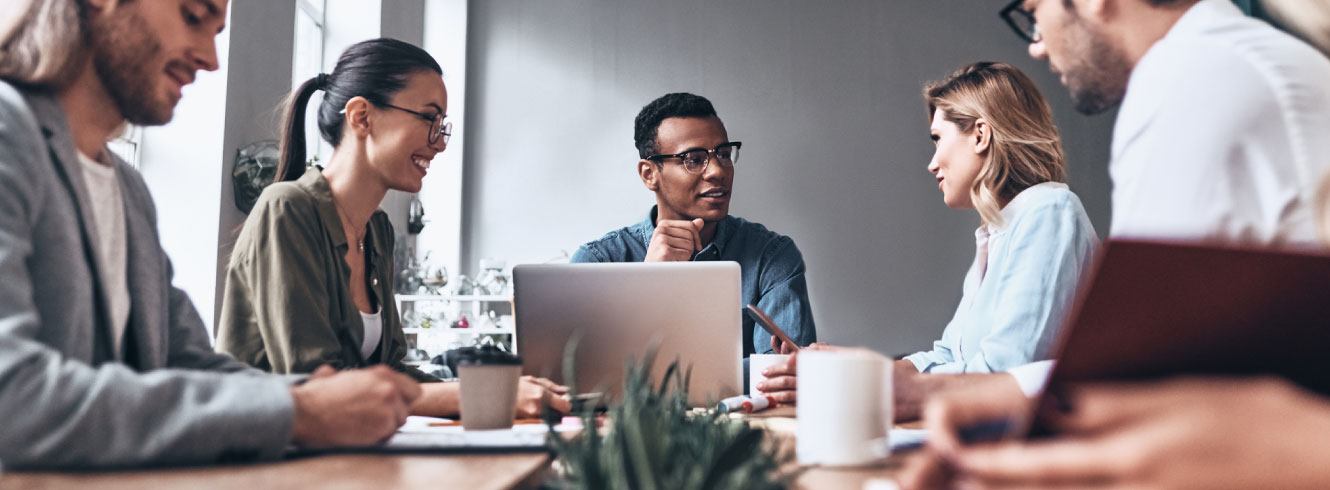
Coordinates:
<point>438,129</point>
<point>1021,21</point>
<point>696,161</point>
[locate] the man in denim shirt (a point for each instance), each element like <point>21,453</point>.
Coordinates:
<point>687,159</point>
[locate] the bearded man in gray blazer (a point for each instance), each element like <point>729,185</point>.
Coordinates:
<point>102,361</point>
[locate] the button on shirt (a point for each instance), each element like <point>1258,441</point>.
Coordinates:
<point>1020,286</point>
<point>771,269</point>
<point>1220,138</point>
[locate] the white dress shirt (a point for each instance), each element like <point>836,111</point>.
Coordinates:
<point>1222,134</point>
<point>1222,137</point>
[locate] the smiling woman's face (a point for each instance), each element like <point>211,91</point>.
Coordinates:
<point>399,149</point>
<point>956,161</point>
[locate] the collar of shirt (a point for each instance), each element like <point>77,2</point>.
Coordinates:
<point>316,185</point>
<point>713,251</point>
<point>1013,209</point>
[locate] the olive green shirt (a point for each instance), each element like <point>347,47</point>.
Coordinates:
<point>287,305</point>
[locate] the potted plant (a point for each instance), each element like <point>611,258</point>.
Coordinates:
<point>652,440</point>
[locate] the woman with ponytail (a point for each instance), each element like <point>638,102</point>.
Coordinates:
<point>310,282</point>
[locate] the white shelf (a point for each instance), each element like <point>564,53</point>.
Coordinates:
<point>479,331</point>
<point>451,297</point>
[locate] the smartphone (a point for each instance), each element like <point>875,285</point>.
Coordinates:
<point>762,319</point>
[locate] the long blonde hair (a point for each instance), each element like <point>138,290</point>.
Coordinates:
<point>40,41</point>
<point>1024,147</point>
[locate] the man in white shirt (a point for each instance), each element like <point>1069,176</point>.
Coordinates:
<point>1216,141</point>
<point>1221,120</point>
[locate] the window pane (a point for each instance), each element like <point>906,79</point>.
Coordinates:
<point>307,62</point>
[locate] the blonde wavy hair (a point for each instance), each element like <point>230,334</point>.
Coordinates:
<point>41,41</point>
<point>1024,147</point>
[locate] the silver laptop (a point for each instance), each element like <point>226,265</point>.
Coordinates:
<point>693,308</point>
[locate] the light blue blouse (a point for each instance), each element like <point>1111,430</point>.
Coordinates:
<point>1011,311</point>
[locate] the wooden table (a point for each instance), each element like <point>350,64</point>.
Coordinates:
<point>781,421</point>
<point>382,471</point>
<point>360,471</point>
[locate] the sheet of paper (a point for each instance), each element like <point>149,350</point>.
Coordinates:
<point>417,433</point>
<point>460,439</point>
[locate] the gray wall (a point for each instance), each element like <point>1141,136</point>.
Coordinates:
<point>825,96</point>
<point>403,20</point>
<point>258,78</point>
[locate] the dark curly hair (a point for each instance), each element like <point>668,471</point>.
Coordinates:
<point>669,105</point>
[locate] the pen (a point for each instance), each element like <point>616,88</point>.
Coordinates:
<point>731,404</point>
<point>450,423</point>
<point>745,404</point>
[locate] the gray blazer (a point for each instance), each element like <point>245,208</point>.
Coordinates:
<point>65,399</point>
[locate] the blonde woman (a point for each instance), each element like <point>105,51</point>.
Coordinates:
<point>999,154</point>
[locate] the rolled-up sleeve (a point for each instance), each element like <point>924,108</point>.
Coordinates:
<point>941,355</point>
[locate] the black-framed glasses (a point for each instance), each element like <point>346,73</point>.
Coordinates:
<point>438,128</point>
<point>1021,21</point>
<point>696,161</point>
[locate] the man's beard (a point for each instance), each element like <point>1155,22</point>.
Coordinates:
<point>124,51</point>
<point>1097,73</point>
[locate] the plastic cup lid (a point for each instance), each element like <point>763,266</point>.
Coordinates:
<point>487,355</point>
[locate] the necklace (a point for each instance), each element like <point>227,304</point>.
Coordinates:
<point>346,217</point>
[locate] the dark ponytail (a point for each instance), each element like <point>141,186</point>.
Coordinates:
<point>374,69</point>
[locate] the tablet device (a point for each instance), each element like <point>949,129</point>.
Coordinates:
<point>1153,310</point>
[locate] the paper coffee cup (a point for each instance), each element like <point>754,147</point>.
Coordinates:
<point>489,378</point>
<point>845,407</point>
<point>759,362</point>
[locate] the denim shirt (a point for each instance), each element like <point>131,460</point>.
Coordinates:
<point>771,269</point>
<point>1011,309</point>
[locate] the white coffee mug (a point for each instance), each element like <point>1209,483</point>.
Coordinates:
<point>845,407</point>
<point>759,362</point>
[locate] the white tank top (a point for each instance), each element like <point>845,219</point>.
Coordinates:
<point>373,332</point>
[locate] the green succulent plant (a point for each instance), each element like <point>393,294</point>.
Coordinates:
<point>652,440</point>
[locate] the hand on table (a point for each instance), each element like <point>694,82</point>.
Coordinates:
<point>351,408</point>
<point>675,241</point>
<point>782,383</point>
<point>1180,434</point>
<point>533,394</point>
